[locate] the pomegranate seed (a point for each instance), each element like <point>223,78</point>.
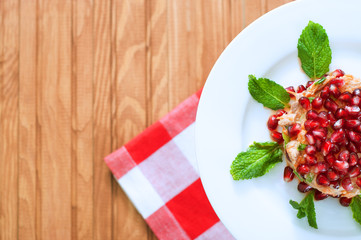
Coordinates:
<point>344,201</point>
<point>320,133</point>
<point>310,139</point>
<point>303,169</point>
<point>354,171</point>
<point>353,160</point>
<point>277,137</point>
<point>357,92</point>
<point>344,155</point>
<point>318,144</point>
<point>320,195</point>
<point>338,73</point>
<point>280,112</point>
<point>345,97</point>
<point>341,113</point>
<point>272,122</point>
<point>317,103</point>
<point>332,175</point>
<point>347,184</point>
<point>320,167</point>
<point>325,92</point>
<point>331,118</point>
<point>330,105</point>
<point>358,128</point>
<point>334,91</point>
<point>338,82</point>
<point>310,150</point>
<point>334,148</point>
<point>305,102</point>
<point>290,89</point>
<point>339,124</point>
<point>311,115</point>
<point>352,123</point>
<point>353,110</point>
<point>294,129</point>
<point>335,184</point>
<point>358,182</point>
<point>311,124</point>
<point>338,136</point>
<point>355,101</point>
<point>323,119</point>
<point>300,89</point>
<point>288,174</point>
<point>354,136</point>
<point>326,147</point>
<point>322,180</point>
<point>303,187</point>
<point>330,159</point>
<point>351,147</point>
<point>309,83</point>
<point>340,166</point>
<point>311,159</point>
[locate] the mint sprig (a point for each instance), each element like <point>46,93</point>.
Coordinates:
<point>267,92</point>
<point>356,208</point>
<point>314,50</point>
<point>306,208</point>
<point>256,161</point>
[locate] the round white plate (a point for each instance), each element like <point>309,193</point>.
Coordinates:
<point>229,120</point>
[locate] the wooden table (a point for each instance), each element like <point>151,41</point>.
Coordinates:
<point>78,79</point>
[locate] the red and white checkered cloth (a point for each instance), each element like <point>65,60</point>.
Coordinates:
<point>158,172</point>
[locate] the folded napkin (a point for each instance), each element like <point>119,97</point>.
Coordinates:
<point>158,172</point>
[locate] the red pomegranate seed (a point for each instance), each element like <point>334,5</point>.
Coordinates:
<point>330,105</point>
<point>305,102</point>
<point>353,111</point>
<point>309,83</point>
<point>272,122</point>
<point>351,147</point>
<point>344,155</point>
<point>358,182</point>
<point>290,89</point>
<point>323,119</point>
<point>330,159</point>
<point>311,124</point>
<point>280,112</point>
<point>318,144</point>
<point>317,103</point>
<point>346,183</point>
<point>354,171</point>
<point>338,73</point>
<point>310,150</point>
<point>357,92</point>
<point>300,89</point>
<point>303,187</point>
<point>344,201</point>
<point>320,195</point>
<point>310,159</point>
<point>303,169</point>
<point>339,124</point>
<point>325,92</point>
<point>334,91</point>
<point>354,136</point>
<point>341,113</point>
<point>288,174</point>
<point>331,118</point>
<point>310,139</point>
<point>335,184</point>
<point>322,180</point>
<point>311,115</point>
<point>352,123</point>
<point>326,147</point>
<point>294,129</point>
<point>334,148</point>
<point>355,100</point>
<point>332,175</point>
<point>353,160</point>
<point>340,166</point>
<point>320,133</point>
<point>338,82</point>
<point>277,136</point>
<point>338,136</point>
<point>345,97</point>
<point>358,128</point>
<point>320,167</point>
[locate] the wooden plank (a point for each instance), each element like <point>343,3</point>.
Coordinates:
<point>129,88</point>
<point>253,9</point>
<point>54,113</point>
<point>27,121</point>
<point>272,4</point>
<point>9,114</point>
<point>237,17</point>
<point>102,178</point>
<point>82,119</point>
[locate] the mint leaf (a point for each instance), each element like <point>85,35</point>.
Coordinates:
<point>306,208</point>
<point>267,92</point>
<point>301,147</point>
<point>298,176</point>
<point>256,161</point>
<point>314,50</point>
<point>320,81</point>
<point>356,208</point>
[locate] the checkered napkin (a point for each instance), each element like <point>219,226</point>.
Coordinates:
<point>158,172</point>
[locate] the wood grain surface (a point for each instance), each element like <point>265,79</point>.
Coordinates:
<point>78,79</point>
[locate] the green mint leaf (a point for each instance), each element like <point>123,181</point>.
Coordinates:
<point>314,50</point>
<point>301,147</point>
<point>309,177</point>
<point>320,81</point>
<point>298,176</point>
<point>356,208</point>
<point>295,205</point>
<point>306,208</point>
<point>267,92</point>
<point>311,99</point>
<point>256,161</point>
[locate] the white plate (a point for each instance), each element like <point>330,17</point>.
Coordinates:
<point>229,120</point>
